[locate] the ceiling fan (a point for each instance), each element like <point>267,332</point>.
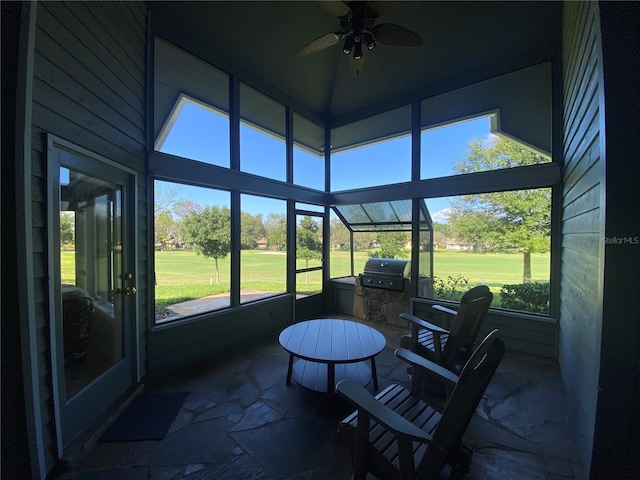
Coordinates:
<point>359,32</point>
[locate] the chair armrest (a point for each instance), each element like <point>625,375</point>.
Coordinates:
<point>382,414</point>
<point>422,323</point>
<point>445,310</point>
<point>427,366</point>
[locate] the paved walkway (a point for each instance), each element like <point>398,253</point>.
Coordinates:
<point>242,422</point>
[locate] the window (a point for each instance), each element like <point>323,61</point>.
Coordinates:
<point>309,259</point>
<point>308,153</point>
<point>372,151</point>
<point>262,135</point>
<point>192,246</point>
<point>263,254</point>
<point>458,148</point>
<point>190,111</point>
<point>196,131</point>
<point>500,239</point>
<point>372,165</point>
<point>380,229</point>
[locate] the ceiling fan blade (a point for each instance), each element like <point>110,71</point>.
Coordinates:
<point>356,66</point>
<point>395,35</point>
<point>380,8</point>
<point>335,7</point>
<point>321,43</point>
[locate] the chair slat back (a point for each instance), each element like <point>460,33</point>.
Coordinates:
<point>472,383</point>
<point>466,326</point>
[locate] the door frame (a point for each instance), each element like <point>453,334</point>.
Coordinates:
<point>129,234</point>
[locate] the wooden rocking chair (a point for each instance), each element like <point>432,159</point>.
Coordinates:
<point>397,435</point>
<point>450,347</point>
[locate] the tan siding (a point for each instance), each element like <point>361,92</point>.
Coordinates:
<point>582,219</point>
<point>88,88</point>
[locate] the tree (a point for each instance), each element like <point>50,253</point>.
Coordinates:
<point>503,221</point>
<point>67,228</point>
<point>209,232</point>
<point>275,227</point>
<point>181,209</point>
<point>441,232</point>
<point>308,244</point>
<point>164,197</point>
<point>391,244</point>
<point>251,230</point>
<point>339,234</point>
<point>164,227</point>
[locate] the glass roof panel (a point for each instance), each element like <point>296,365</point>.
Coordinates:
<point>353,213</point>
<point>394,215</point>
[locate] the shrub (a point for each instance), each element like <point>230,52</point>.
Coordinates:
<point>451,288</point>
<point>528,297</point>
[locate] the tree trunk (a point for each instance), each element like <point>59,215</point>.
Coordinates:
<point>217,272</point>
<point>526,267</point>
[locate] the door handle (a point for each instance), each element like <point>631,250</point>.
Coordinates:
<point>130,290</point>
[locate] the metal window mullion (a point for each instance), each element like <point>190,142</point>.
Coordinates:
<point>234,162</point>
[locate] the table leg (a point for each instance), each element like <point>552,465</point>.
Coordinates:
<point>331,377</point>
<point>374,373</point>
<point>290,369</point>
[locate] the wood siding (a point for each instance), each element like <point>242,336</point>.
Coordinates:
<point>581,282</point>
<point>89,89</point>
<point>180,343</point>
<point>520,332</point>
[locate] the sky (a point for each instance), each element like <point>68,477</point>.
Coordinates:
<point>202,134</point>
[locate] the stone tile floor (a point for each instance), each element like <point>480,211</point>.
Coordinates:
<point>242,422</point>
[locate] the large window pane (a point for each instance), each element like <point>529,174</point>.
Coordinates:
<point>308,283</point>
<point>460,147</point>
<point>262,135</point>
<point>192,231</point>
<point>190,111</point>
<point>499,239</point>
<point>364,244</point>
<point>263,255</point>
<point>197,131</point>
<point>308,254</point>
<point>308,156</point>
<point>372,165</point>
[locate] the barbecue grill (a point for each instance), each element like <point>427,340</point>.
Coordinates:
<point>386,273</point>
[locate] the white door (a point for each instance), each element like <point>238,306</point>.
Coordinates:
<point>93,287</point>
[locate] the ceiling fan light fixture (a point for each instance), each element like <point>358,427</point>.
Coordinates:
<point>357,51</point>
<point>348,45</point>
<point>369,41</point>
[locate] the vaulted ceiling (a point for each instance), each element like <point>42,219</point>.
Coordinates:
<point>463,42</point>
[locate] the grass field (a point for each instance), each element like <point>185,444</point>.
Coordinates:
<point>182,275</point>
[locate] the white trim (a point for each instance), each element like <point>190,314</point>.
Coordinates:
<point>175,113</point>
<point>54,304</point>
<point>24,227</point>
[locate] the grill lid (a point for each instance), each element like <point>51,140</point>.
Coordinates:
<point>389,267</point>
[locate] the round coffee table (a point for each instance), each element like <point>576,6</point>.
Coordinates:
<point>330,350</point>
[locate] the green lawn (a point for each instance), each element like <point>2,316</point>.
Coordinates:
<point>182,275</point>
<point>492,269</point>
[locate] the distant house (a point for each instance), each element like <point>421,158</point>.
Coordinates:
<point>262,242</point>
<point>454,244</point>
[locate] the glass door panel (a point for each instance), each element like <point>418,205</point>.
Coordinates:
<point>91,272</point>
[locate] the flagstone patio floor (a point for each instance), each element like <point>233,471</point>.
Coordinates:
<point>241,421</point>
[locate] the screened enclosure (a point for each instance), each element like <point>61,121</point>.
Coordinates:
<point>385,230</point>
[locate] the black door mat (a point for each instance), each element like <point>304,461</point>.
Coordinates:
<point>148,417</point>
